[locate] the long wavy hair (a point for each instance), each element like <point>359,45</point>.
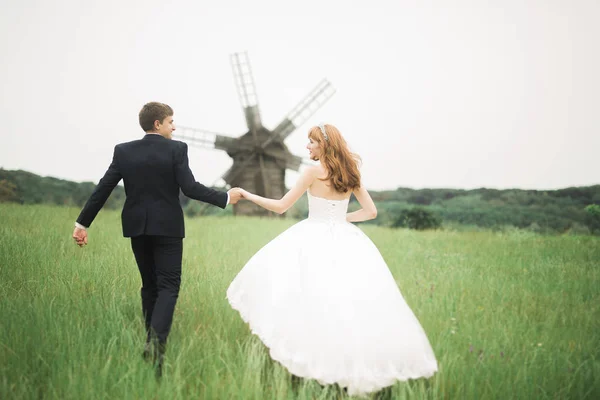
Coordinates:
<point>341,164</point>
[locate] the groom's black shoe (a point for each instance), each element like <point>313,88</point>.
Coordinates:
<point>158,357</point>
<point>159,368</point>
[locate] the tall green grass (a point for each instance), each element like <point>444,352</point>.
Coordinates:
<point>509,315</point>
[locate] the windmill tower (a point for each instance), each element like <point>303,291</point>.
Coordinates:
<point>260,157</point>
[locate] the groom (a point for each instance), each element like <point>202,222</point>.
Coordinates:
<point>153,170</point>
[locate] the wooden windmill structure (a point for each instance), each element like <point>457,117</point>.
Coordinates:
<point>260,157</point>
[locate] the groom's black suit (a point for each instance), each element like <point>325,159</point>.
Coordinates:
<point>153,170</point>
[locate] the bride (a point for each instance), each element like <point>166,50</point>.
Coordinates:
<point>320,296</point>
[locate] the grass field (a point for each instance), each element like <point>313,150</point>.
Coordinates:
<point>509,315</point>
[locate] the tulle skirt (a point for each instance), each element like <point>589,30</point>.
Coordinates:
<point>322,299</point>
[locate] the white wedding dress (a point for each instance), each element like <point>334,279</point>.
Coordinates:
<point>322,299</point>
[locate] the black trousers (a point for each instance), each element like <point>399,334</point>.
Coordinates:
<point>159,261</point>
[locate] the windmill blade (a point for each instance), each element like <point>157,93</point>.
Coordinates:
<point>307,107</point>
<point>244,82</point>
<point>291,161</point>
<point>306,161</point>
<point>204,138</point>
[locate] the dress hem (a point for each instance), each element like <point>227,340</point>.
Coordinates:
<point>294,368</point>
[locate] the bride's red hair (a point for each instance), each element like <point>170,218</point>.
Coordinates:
<point>341,163</point>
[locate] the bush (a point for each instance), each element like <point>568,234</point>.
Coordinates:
<point>592,218</point>
<point>8,191</point>
<point>417,218</point>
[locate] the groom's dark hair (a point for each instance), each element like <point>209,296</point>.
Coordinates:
<point>153,111</point>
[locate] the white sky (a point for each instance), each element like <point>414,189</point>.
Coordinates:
<point>460,94</point>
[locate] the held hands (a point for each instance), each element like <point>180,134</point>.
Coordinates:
<point>80,236</point>
<point>236,194</point>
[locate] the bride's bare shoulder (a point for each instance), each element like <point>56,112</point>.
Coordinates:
<point>320,171</point>
<point>316,170</point>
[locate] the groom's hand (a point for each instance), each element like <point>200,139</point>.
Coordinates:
<point>234,195</point>
<point>80,236</point>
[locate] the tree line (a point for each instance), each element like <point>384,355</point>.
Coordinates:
<point>573,209</point>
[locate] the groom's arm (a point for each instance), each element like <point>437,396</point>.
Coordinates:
<point>191,188</point>
<point>111,178</point>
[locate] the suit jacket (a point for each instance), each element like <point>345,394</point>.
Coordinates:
<point>153,170</point>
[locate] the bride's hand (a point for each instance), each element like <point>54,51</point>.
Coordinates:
<point>245,194</point>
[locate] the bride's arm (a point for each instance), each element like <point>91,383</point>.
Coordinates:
<point>368,210</point>
<point>282,205</point>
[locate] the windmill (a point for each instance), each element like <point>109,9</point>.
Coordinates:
<point>260,156</point>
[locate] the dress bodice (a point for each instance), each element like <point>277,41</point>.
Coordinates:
<point>326,209</point>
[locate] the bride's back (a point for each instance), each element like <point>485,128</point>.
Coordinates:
<point>324,188</point>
